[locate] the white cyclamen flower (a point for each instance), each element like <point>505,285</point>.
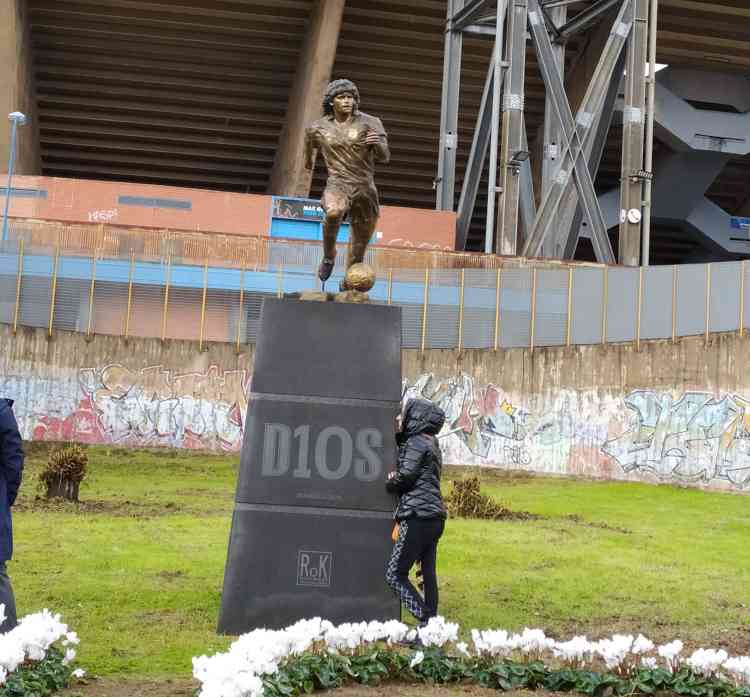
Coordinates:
<point>224,675</point>
<point>739,668</point>
<point>671,653</point>
<point>78,673</point>
<point>615,650</point>
<point>11,653</point>
<point>575,651</point>
<point>493,642</point>
<point>438,632</point>
<point>70,655</point>
<point>418,658</point>
<point>642,645</point>
<point>36,633</point>
<point>534,641</point>
<point>649,662</point>
<point>707,661</point>
<point>463,648</point>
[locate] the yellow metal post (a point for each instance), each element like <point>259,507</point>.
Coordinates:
<point>532,332</point>
<point>708,300</point>
<point>639,310</point>
<point>19,276</point>
<point>203,307</point>
<point>461,312</point>
<point>166,299</point>
<point>742,298</point>
<point>497,308</point>
<point>239,313</point>
<point>390,286</point>
<point>605,303</point>
<point>54,291</point>
<point>674,303</point>
<point>91,295</point>
<point>570,307</point>
<point>280,283</point>
<point>130,293</point>
<point>425,302</point>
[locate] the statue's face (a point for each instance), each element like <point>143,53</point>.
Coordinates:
<point>343,104</point>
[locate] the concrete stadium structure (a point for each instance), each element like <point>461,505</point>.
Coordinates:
<point>214,95</point>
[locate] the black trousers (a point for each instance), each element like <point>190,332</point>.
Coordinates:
<point>417,542</point>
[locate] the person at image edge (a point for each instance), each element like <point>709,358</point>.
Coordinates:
<point>11,470</point>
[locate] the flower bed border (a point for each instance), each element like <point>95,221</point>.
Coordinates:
<point>315,655</point>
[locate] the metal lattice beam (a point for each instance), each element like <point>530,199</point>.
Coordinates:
<point>477,158</point>
<point>576,132</point>
<point>466,16</point>
<point>587,18</point>
<point>570,231</point>
<point>574,146</point>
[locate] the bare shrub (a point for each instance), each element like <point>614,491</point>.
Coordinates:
<point>65,470</point>
<point>466,500</point>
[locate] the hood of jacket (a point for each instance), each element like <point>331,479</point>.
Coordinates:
<point>422,416</point>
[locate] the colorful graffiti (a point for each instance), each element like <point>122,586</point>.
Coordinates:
<point>697,438</point>
<point>149,407</point>
<point>694,438</point>
<point>484,426</point>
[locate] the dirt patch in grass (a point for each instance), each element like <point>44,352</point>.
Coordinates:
<point>182,688</point>
<point>132,688</point>
<point>129,509</point>
<point>575,518</point>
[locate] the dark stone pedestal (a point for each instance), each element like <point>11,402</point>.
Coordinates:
<point>311,527</point>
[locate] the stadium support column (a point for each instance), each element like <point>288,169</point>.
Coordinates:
<point>513,154</point>
<point>17,88</point>
<point>289,176</point>
<point>445,182</point>
<point>633,140</point>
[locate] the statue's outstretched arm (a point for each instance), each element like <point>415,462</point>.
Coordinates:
<point>310,150</point>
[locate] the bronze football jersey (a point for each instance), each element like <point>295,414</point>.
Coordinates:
<point>350,162</point>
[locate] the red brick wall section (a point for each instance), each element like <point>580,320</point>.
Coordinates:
<point>81,201</point>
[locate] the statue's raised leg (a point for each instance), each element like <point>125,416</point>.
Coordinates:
<point>336,206</point>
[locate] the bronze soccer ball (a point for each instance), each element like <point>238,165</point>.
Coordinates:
<point>360,277</point>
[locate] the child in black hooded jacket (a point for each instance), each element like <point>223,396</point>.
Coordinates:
<point>420,513</point>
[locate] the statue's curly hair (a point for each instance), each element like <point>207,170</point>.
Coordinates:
<point>336,88</point>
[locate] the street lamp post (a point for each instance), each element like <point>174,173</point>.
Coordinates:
<point>16,119</point>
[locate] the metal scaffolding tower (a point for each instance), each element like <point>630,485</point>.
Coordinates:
<point>574,142</point>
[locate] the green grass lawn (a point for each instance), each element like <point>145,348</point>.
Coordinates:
<point>137,569</point>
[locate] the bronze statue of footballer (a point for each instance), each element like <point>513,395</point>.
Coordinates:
<point>351,143</point>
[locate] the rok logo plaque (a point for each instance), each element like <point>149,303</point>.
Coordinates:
<point>314,568</point>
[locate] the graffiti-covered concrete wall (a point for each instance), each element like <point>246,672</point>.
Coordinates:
<point>676,413</point>
<point>140,392</point>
